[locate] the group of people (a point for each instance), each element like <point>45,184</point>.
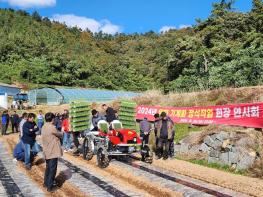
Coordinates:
<point>163,128</point>
<point>17,104</point>
<point>69,136</point>
<point>6,119</point>
<point>15,121</point>
<point>28,147</point>
<point>57,135</point>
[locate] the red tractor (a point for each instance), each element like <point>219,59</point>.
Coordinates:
<point>112,141</point>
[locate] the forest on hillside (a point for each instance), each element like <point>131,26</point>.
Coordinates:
<point>224,50</point>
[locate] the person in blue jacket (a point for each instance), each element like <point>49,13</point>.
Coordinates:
<point>19,152</point>
<point>5,122</point>
<point>29,139</point>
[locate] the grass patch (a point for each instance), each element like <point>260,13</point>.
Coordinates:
<point>225,168</point>
<point>182,130</point>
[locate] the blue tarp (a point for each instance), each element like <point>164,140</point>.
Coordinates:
<point>11,91</point>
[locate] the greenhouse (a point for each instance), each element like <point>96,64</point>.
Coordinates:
<point>57,96</point>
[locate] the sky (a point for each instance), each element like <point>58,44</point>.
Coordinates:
<point>123,16</point>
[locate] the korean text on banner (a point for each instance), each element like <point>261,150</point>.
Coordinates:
<point>247,115</point>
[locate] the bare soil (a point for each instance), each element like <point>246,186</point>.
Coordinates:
<point>122,177</point>
<point>243,184</point>
<point>113,173</point>
<point>37,173</point>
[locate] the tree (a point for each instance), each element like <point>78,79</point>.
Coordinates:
<point>36,16</point>
<point>257,15</point>
<point>219,9</point>
<point>257,6</point>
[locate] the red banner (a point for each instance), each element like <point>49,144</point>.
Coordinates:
<point>248,115</point>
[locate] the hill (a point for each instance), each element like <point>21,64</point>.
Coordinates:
<point>221,96</point>
<point>225,50</point>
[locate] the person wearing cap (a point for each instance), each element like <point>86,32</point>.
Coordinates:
<point>165,132</point>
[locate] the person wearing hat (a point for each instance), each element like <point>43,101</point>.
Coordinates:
<point>165,132</point>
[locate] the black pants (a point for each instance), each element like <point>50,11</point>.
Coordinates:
<point>171,148</point>
<point>145,139</point>
<point>75,139</point>
<point>50,173</point>
<point>15,127</point>
<point>4,128</point>
<point>163,147</point>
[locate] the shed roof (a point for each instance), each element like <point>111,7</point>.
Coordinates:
<point>93,94</point>
<point>66,95</point>
<point>8,85</point>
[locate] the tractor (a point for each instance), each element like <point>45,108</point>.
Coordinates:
<point>113,142</point>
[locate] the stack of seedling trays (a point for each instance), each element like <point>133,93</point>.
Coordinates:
<point>127,114</point>
<point>79,115</point>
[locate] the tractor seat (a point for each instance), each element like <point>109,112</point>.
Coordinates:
<point>116,125</point>
<point>103,126</point>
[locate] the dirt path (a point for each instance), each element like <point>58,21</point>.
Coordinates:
<point>37,173</point>
<point>123,178</point>
<point>114,175</point>
<point>246,185</point>
<point>130,178</point>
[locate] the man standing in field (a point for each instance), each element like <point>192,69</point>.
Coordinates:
<point>165,134</point>
<point>22,122</point>
<point>5,122</point>
<point>145,129</point>
<point>52,151</point>
<point>29,139</point>
<point>40,120</point>
<point>15,122</point>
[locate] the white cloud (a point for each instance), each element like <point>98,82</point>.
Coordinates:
<point>79,21</point>
<point>84,23</point>
<point>166,28</point>
<point>109,28</point>
<point>184,26</point>
<point>31,3</point>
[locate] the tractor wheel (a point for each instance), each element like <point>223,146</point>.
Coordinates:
<point>102,160</point>
<point>87,150</point>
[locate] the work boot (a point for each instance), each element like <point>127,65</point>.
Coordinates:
<point>52,189</point>
<point>165,155</point>
<point>55,184</point>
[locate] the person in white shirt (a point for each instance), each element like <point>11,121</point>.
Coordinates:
<point>40,120</point>
<point>24,119</point>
